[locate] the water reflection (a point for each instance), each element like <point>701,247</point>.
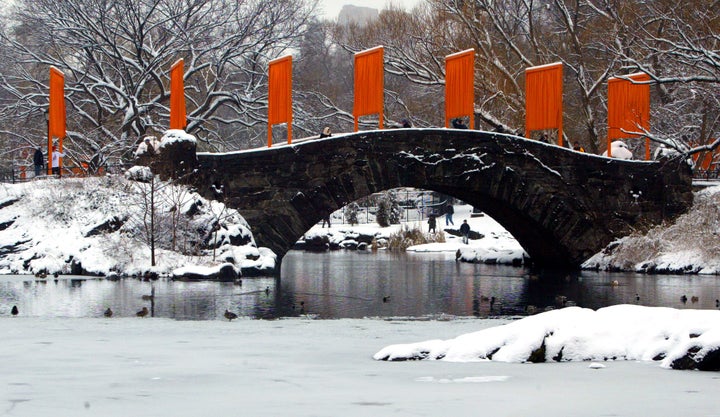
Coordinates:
<point>354,285</point>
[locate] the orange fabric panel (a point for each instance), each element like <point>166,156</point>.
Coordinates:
<point>369,84</point>
<point>628,108</point>
<point>459,85</point>
<point>56,127</point>
<point>543,98</point>
<point>56,112</point>
<point>178,115</point>
<point>280,95</point>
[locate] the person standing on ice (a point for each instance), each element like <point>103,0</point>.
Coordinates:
<point>465,231</point>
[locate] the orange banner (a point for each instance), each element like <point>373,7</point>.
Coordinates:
<point>628,108</point>
<point>280,95</point>
<point>460,86</point>
<point>178,116</point>
<point>369,84</point>
<point>543,99</point>
<point>56,114</point>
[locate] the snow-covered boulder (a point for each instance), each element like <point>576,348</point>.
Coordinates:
<point>173,136</point>
<point>679,339</point>
<point>224,273</point>
<point>619,150</point>
<point>139,173</point>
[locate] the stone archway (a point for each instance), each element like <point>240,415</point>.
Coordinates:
<point>562,206</point>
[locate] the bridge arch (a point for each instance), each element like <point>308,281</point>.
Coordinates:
<point>562,206</point>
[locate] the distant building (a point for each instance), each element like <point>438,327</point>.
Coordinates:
<point>356,14</point>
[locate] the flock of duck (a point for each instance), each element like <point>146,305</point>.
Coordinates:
<point>560,300</point>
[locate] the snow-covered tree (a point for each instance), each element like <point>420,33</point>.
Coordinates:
<point>388,209</point>
<point>351,213</point>
<point>116,56</point>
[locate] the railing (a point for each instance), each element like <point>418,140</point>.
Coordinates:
<point>706,174</point>
<point>23,173</point>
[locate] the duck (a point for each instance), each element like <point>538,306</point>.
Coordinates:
<point>717,302</point>
<point>108,313</point>
<point>683,299</point>
<point>151,296</point>
<point>14,311</point>
<point>694,299</point>
<point>386,299</point>
<point>614,283</point>
<point>142,313</point>
<point>41,275</point>
<point>230,315</point>
<point>637,297</point>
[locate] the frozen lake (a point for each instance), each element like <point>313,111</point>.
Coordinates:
<point>61,357</point>
<point>300,367</point>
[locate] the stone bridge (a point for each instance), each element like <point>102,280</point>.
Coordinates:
<point>562,206</point>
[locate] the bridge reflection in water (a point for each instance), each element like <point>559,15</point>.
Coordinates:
<point>355,285</point>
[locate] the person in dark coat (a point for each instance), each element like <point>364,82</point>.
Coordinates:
<point>406,124</point>
<point>325,132</point>
<point>465,231</point>
<point>38,161</point>
<point>458,124</point>
<point>449,211</point>
<point>432,223</point>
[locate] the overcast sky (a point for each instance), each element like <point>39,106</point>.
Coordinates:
<point>331,8</point>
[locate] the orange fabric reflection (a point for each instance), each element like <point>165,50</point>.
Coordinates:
<point>460,86</point>
<point>178,117</point>
<point>369,84</point>
<point>543,99</point>
<point>56,114</point>
<point>628,108</point>
<point>280,95</point>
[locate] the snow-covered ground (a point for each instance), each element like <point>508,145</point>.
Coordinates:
<point>300,367</point>
<point>101,224</point>
<point>497,245</point>
<point>690,244</point>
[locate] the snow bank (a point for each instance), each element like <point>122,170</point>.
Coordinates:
<point>682,339</point>
<point>689,245</point>
<point>100,225</point>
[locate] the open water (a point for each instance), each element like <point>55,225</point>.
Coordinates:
<point>348,284</point>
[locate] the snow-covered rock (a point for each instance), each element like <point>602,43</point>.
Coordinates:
<point>139,173</point>
<point>175,135</point>
<point>680,339</point>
